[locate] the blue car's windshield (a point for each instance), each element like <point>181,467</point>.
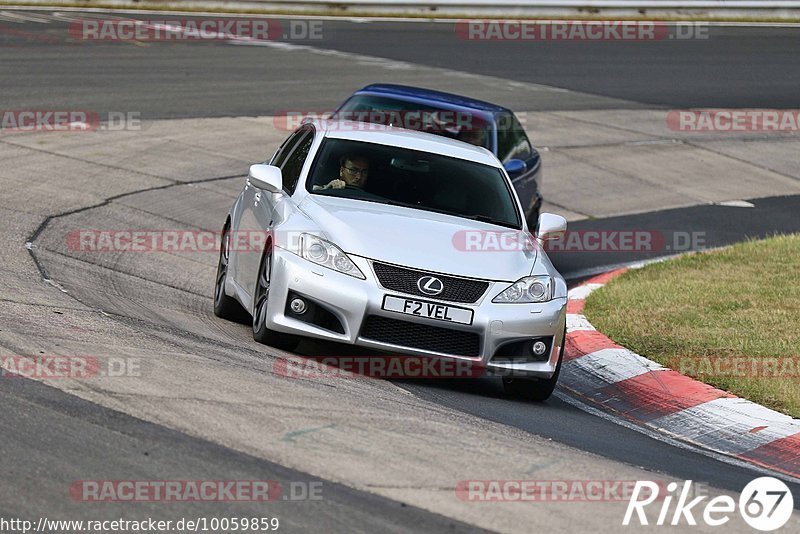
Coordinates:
<point>420,180</point>
<point>460,125</point>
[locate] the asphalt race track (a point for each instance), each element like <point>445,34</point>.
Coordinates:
<point>734,67</point>
<point>208,405</point>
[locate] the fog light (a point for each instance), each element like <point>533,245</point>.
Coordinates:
<point>298,306</point>
<point>538,348</point>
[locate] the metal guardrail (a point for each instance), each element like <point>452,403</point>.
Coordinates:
<point>772,9</point>
<point>676,4</point>
<point>510,8</point>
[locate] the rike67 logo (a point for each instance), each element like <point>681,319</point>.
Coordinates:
<point>765,504</point>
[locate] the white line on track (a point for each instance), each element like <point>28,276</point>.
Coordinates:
<point>583,292</point>
<point>386,63</point>
<point>11,18</point>
<point>577,322</point>
<point>64,16</point>
<point>658,436</point>
<point>25,17</point>
<point>708,423</point>
<point>617,365</point>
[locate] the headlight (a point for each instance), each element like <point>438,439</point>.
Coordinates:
<point>328,255</point>
<point>527,290</point>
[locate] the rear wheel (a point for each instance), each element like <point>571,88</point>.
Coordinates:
<point>535,389</point>
<point>224,306</point>
<point>261,333</point>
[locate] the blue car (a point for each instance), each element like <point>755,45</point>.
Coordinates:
<point>459,117</point>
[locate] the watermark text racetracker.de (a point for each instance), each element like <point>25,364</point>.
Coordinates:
<point>734,120</point>
<point>737,366</point>
<point>67,120</point>
<point>447,122</point>
<point>181,491</point>
<point>383,367</point>
<point>580,241</point>
<point>72,367</point>
<point>578,30</point>
<point>168,240</point>
<point>483,491</point>
<point>200,29</point>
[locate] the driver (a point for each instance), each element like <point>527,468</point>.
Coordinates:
<point>473,136</point>
<point>353,171</point>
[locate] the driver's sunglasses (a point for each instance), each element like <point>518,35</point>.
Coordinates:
<point>356,171</point>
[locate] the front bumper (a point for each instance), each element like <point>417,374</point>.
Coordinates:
<point>352,301</point>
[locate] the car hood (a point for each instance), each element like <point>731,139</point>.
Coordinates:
<point>422,239</point>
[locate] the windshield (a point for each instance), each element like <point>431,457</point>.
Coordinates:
<point>420,180</point>
<point>460,125</point>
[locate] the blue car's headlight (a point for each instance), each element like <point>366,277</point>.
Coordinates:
<point>529,289</point>
<point>328,255</point>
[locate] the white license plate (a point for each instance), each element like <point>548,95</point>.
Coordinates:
<point>431,310</point>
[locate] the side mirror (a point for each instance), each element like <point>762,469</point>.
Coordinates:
<point>266,177</point>
<point>515,167</point>
<point>551,226</point>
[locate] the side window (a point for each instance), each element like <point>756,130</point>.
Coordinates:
<point>293,164</point>
<point>512,142</point>
<point>280,155</point>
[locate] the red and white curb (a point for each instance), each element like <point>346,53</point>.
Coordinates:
<point>604,374</point>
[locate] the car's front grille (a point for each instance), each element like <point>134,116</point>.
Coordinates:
<point>405,280</point>
<point>421,336</point>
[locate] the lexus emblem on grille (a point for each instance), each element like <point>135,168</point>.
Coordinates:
<point>430,285</point>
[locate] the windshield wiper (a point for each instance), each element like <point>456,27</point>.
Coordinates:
<point>490,220</point>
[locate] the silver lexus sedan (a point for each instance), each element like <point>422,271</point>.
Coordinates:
<point>395,240</point>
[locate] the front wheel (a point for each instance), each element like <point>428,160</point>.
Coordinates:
<point>535,389</point>
<point>261,333</point>
<point>224,306</point>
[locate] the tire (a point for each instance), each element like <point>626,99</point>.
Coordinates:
<point>225,307</point>
<point>535,389</point>
<point>261,333</point>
